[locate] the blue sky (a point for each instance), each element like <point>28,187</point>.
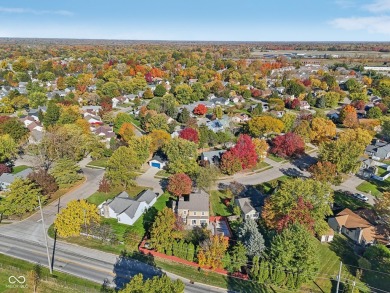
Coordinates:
<point>219,20</point>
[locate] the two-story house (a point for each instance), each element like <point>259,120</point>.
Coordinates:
<point>193,209</point>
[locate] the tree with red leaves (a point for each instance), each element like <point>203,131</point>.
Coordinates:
<point>200,110</point>
<point>383,107</point>
<point>189,134</point>
<point>255,93</point>
<point>230,164</point>
<point>106,105</point>
<point>359,104</point>
<point>245,151</point>
<point>288,145</point>
<point>4,118</point>
<point>348,116</point>
<point>325,172</point>
<point>307,82</point>
<point>293,104</point>
<point>104,185</point>
<point>44,180</point>
<point>148,77</point>
<point>300,214</point>
<point>4,169</point>
<point>180,184</point>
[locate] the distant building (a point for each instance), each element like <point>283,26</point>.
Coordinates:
<point>6,179</point>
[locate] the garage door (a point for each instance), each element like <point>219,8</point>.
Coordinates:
<point>156,165</point>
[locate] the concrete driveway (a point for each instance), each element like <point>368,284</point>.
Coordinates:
<point>147,179</point>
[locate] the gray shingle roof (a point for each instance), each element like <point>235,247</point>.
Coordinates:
<point>146,195</point>
<point>121,202</point>
<point>9,178</point>
<point>198,201</point>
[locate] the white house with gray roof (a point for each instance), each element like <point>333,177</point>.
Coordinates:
<point>6,179</point>
<point>247,209</point>
<point>125,209</point>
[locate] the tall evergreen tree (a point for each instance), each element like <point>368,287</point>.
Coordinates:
<point>52,114</point>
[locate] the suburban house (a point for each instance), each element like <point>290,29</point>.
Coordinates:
<point>6,179</point>
<point>378,150</point>
<point>239,118</point>
<point>356,228</point>
<point>193,209</point>
<point>212,157</point>
<point>157,162</point>
<point>105,132</point>
<point>304,105</point>
<point>375,169</point>
<point>247,209</point>
<point>218,124</point>
<point>125,209</point>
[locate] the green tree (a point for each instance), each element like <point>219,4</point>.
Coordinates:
<point>70,220</point>
<point>156,122</point>
<point>374,113</point>
<point>346,150</point>
<point>207,177</point>
<point>163,232</point>
<point>258,110</point>
<point>20,198</point>
<point>295,250</point>
<point>160,90</point>
<point>15,129</point>
<point>218,112</point>
<point>8,147</point>
<point>183,93</point>
<point>37,99</point>
<point>332,99</point>
<point>121,167</point>
<point>110,89</point>
<point>65,172</point>
<point>52,114</point>
<point>288,120</point>
<point>182,155</point>
<point>184,116</point>
<point>353,86</point>
<point>263,125</point>
<point>238,258</point>
<point>157,284</point>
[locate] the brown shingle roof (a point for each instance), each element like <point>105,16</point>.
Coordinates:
<point>350,220</point>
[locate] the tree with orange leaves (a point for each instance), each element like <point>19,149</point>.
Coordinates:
<point>126,131</point>
<point>348,116</point>
<point>212,251</point>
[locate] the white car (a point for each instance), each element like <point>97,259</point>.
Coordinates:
<point>360,197</point>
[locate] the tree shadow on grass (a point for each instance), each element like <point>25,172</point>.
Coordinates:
<point>344,249</point>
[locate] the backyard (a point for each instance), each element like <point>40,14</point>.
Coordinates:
<point>217,202</point>
<point>20,168</point>
<point>374,187</point>
<point>344,200</point>
<point>99,197</point>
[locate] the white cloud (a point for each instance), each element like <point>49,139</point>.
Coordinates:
<point>372,24</point>
<point>345,3</point>
<point>36,12</point>
<point>378,6</point>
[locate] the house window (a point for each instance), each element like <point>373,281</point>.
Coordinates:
<point>203,221</point>
<point>184,212</point>
<point>202,213</point>
<point>193,222</point>
<point>194,213</point>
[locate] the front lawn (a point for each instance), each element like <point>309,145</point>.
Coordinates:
<point>261,165</point>
<point>374,187</point>
<point>347,201</point>
<point>218,207</point>
<point>20,168</point>
<point>100,163</point>
<point>98,197</point>
<point>162,174</point>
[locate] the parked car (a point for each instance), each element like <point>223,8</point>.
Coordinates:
<point>360,196</point>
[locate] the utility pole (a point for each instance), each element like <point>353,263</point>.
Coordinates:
<point>85,222</point>
<point>339,277</point>
<point>44,234</point>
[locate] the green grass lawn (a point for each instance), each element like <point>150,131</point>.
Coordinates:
<point>261,165</point>
<point>330,256</point>
<point>99,197</point>
<point>218,208</point>
<point>162,173</point>
<point>268,187</point>
<point>102,163</point>
<point>375,187</point>
<point>20,168</point>
<point>56,283</point>
<point>135,121</point>
<point>275,158</point>
<point>346,201</point>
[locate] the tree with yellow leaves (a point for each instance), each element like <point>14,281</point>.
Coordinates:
<point>77,213</point>
<point>212,251</point>
<point>263,125</point>
<point>322,129</point>
<point>261,148</point>
<point>158,139</point>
